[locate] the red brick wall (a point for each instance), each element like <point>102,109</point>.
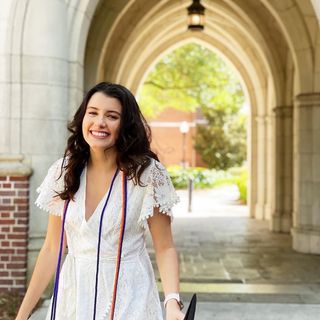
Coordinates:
<point>14,218</point>
<point>167,142</point>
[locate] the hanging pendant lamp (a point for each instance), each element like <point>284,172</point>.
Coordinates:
<point>196,16</point>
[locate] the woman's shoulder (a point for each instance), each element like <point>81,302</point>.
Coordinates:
<point>152,164</point>
<point>57,168</point>
<point>155,162</point>
<point>56,172</point>
<point>153,170</point>
<point>57,163</point>
<point>52,184</point>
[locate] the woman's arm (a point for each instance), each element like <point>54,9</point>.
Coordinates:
<point>167,260</point>
<point>44,268</point>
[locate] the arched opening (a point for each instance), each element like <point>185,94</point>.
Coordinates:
<point>255,61</point>
<point>194,84</point>
<point>273,45</point>
<point>125,39</point>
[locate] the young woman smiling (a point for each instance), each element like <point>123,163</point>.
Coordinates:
<point>102,196</point>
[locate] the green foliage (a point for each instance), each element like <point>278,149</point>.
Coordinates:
<point>222,143</point>
<point>242,184</point>
<point>202,177</point>
<point>189,77</point>
<point>205,178</point>
<point>192,77</point>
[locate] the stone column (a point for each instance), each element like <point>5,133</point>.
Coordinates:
<point>44,101</point>
<point>252,165</point>
<point>11,26</point>
<point>306,219</point>
<point>261,168</point>
<point>281,219</point>
<point>270,174</point>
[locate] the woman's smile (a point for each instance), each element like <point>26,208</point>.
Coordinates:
<point>99,134</point>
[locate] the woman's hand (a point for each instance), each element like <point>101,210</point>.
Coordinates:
<point>173,310</point>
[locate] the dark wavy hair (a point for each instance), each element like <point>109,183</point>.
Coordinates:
<point>132,145</point>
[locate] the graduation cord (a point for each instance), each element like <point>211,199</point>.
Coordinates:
<point>120,242</point>
<point>56,283</point>
<point>121,236</point>
<point>98,249</point>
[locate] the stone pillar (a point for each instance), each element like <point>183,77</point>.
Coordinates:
<point>270,174</point>
<point>281,219</point>
<point>14,220</point>
<point>45,105</point>
<point>252,165</point>
<point>261,168</point>
<point>306,219</point>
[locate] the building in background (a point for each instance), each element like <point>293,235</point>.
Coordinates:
<point>168,140</point>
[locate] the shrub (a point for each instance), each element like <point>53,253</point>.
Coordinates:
<point>210,178</point>
<point>202,177</point>
<point>241,183</point>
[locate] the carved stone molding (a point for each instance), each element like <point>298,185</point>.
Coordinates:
<point>12,165</point>
<point>308,99</point>
<point>283,111</point>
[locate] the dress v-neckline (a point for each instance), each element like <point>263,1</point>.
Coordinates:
<point>85,197</point>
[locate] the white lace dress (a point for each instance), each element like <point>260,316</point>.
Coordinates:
<point>137,296</point>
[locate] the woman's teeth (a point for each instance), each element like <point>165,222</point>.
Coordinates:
<point>99,133</point>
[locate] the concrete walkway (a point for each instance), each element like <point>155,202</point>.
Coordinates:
<point>256,311</point>
<point>219,243</point>
<point>241,311</point>
<point>237,267</point>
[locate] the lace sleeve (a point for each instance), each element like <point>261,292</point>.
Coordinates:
<point>46,199</point>
<point>159,193</point>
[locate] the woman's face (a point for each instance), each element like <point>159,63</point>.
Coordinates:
<point>101,122</point>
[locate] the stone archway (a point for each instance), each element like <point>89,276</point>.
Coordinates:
<point>260,39</point>
<point>155,42</point>
<point>48,61</point>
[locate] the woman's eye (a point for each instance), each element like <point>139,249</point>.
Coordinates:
<point>113,117</point>
<point>92,112</point>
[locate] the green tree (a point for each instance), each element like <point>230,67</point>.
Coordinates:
<point>193,76</point>
<point>222,142</point>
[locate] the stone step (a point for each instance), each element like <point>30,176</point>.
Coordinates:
<point>257,293</point>
<point>255,311</point>
<point>223,301</point>
<point>241,311</point>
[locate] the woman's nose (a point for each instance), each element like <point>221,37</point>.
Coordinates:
<point>102,121</point>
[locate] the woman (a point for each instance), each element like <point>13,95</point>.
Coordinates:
<point>106,190</point>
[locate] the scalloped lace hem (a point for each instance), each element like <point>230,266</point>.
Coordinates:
<point>162,209</point>
<point>46,209</point>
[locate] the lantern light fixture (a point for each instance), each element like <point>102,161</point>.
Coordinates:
<point>196,18</point>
